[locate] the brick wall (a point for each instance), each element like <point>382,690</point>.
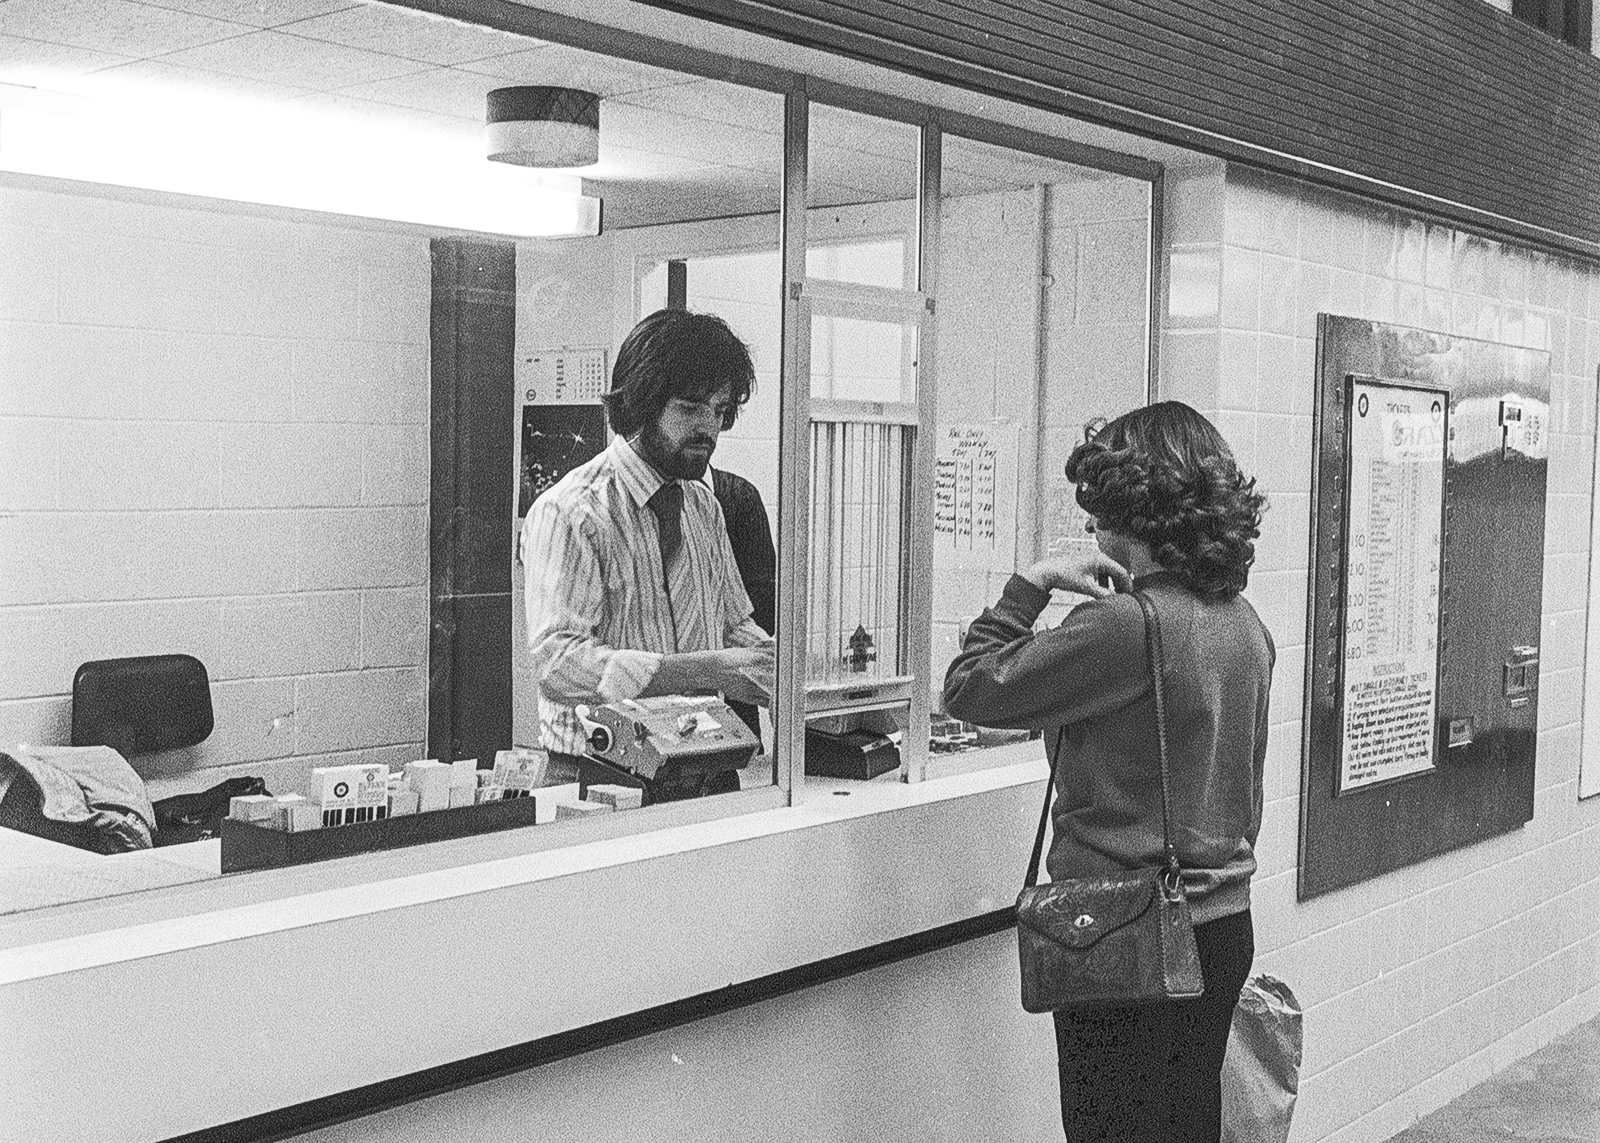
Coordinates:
<point>214,432</point>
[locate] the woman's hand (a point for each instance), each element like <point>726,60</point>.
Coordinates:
<point>1086,571</point>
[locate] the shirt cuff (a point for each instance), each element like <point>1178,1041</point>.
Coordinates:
<point>627,673</point>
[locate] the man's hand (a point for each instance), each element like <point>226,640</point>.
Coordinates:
<point>1081,571</point>
<point>743,673</point>
<point>747,673</point>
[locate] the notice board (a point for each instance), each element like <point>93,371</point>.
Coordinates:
<point>1423,614</point>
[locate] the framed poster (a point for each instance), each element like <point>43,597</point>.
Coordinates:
<point>1394,528</point>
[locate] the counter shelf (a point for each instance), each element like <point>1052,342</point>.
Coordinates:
<point>246,845</point>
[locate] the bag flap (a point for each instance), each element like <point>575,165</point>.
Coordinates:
<point>1079,912</point>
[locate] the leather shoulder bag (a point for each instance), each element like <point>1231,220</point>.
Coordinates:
<point>1120,939</point>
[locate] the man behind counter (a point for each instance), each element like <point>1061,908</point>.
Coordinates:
<point>632,588</point>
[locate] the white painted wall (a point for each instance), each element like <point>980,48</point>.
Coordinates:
<point>215,437</point>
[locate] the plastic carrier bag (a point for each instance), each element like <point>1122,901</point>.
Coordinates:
<point>1261,1074</point>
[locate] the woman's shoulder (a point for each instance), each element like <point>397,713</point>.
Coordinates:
<point>1111,617</point>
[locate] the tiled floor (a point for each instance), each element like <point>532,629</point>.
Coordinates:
<point>1552,1096</point>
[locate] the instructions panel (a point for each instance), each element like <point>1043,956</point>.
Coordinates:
<point>1391,604</point>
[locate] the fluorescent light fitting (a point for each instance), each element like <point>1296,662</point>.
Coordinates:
<point>310,159</point>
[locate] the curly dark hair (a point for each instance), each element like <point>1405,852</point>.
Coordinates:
<point>676,353</point>
<point>1163,475</point>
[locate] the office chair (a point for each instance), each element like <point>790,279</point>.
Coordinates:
<point>142,704</point>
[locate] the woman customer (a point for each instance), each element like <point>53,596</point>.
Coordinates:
<point>1173,517</point>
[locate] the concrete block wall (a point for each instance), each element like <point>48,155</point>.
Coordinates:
<point>214,432</point>
<point>746,290</point>
<point>1423,982</point>
<point>992,251</point>
<point>1043,322</point>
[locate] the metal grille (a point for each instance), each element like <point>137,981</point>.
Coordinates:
<point>860,487</point>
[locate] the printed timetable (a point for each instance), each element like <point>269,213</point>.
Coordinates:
<point>1394,544</point>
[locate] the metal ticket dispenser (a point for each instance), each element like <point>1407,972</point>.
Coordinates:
<point>1423,618</point>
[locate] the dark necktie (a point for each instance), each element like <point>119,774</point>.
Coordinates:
<point>667,504</point>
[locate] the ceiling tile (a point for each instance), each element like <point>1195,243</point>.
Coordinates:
<point>37,64</point>
<point>569,67</point>
<point>256,13</point>
<point>713,100</point>
<point>666,133</point>
<point>410,34</point>
<point>386,114</point>
<point>714,192</point>
<point>441,90</point>
<point>628,164</point>
<point>115,26</point>
<point>164,81</point>
<point>277,57</point>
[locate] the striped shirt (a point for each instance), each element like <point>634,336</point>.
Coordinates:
<point>599,614</point>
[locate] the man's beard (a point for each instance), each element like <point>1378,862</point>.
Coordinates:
<point>674,463</point>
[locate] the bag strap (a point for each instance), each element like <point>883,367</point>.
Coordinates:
<point>1032,877</point>
<point>1152,640</point>
<point>1158,668</point>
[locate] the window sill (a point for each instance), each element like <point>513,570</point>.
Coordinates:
<point>71,939</point>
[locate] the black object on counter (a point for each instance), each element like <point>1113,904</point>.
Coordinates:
<point>191,817</point>
<point>859,754</point>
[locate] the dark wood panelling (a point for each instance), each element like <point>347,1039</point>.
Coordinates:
<point>1451,101</point>
<point>469,646</point>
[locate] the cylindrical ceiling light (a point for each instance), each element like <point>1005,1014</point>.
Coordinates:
<point>544,126</point>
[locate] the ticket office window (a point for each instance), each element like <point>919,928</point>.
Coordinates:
<point>1043,323</point>
<point>686,235</point>
<point>283,359</point>
<point>860,326</point>
<point>968,306</point>
<point>350,679</point>
<point>732,269</point>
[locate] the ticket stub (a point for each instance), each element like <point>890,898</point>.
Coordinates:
<point>519,771</point>
<point>352,793</point>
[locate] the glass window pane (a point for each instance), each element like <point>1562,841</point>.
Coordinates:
<point>858,359</point>
<point>861,195</point>
<point>1042,323</point>
<point>661,262</point>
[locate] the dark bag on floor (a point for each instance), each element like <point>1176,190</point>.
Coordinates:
<point>1261,1074</point>
<point>1119,939</point>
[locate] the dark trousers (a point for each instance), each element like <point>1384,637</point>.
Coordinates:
<point>1152,1073</point>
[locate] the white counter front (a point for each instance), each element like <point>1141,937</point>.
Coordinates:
<point>359,983</point>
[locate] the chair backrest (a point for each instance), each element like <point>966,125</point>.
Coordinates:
<point>141,704</point>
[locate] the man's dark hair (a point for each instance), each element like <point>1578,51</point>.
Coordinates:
<point>1163,475</point>
<point>671,354</point>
